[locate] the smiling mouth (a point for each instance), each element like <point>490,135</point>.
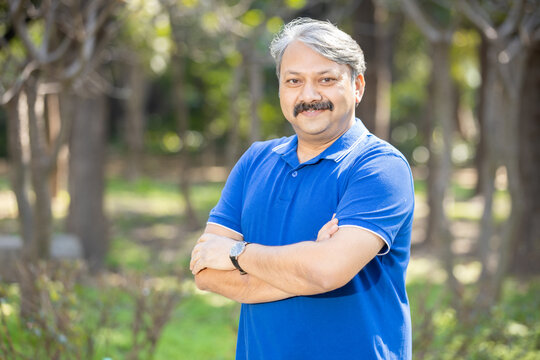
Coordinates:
<point>322,105</point>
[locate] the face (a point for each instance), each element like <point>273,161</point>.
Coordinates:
<point>321,92</point>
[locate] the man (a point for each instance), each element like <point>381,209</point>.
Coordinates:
<point>311,289</point>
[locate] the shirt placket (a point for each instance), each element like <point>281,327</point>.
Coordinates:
<point>291,183</point>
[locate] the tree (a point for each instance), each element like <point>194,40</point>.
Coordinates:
<point>511,29</point>
<point>443,128</point>
<point>371,29</point>
<point>57,60</point>
<point>526,252</point>
<point>71,38</point>
<point>86,218</point>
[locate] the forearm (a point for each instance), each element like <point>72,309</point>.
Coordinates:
<point>241,288</point>
<point>310,267</point>
<point>297,268</point>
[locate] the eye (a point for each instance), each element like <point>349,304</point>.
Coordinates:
<point>328,80</point>
<point>292,81</point>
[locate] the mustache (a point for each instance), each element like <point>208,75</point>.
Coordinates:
<point>321,105</point>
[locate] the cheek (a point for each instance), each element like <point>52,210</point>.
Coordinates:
<point>286,103</point>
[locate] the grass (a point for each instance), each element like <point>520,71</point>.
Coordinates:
<point>510,331</point>
<point>149,239</point>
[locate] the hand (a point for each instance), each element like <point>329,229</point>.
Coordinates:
<point>328,229</point>
<point>212,251</point>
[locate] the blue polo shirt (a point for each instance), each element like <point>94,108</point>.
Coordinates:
<point>272,199</point>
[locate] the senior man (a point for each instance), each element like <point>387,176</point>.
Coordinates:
<point>312,232</point>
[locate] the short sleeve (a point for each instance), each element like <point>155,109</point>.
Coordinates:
<point>228,210</point>
<point>379,196</point>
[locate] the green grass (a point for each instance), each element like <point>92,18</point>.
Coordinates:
<point>461,205</point>
<point>510,331</point>
<point>4,184</point>
<point>149,240</point>
<point>203,326</point>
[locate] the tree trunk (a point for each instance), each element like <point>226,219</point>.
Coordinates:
<point>441,149</point>
<point>440,142</point>
<point>182,121</point>
<point>86,218</point>
<point>233,145</point>
<point>481,147</point>
<point>19,157</point>
<point>256,84</point>
<point>492,123</point>
<point>40,174</point>
<point>383,70</point>
<point>526,252</point>
<point>364,34</point>
<point>18,150</point>
<point>181,110</point>
<point>134,118</point>
<point>59,175</point>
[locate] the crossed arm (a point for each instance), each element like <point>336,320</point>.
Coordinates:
<point>279,272</point>
<point>230,283</point>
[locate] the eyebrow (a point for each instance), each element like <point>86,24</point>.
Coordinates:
<point>293,72</point>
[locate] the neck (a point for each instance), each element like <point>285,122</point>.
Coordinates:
<point>308,148</point>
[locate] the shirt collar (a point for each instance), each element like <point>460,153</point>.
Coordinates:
<point>346,142</point>
<point>337,151</point>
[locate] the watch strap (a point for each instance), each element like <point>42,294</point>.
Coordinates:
<point>234,259</point>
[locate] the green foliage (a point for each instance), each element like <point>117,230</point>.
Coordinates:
<point>465,64</point>
<point>147,252</point>
<point>253,17</point>
<point>510,330</point>
<point>295,4</point>
<point>409,91</point>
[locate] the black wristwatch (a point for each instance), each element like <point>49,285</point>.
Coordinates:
<point>236,251</point>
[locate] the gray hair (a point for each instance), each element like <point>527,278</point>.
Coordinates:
<point>324,38</point>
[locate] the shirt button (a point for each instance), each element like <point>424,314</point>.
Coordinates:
<point>294,174</point>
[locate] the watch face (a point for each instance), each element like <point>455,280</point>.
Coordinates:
<point>237,248</point>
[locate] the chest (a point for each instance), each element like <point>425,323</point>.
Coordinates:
<point>283,204</point>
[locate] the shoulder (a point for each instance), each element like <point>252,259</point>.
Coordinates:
<point>379,164</point>
<point>376,152</point>
<point>264,148</point>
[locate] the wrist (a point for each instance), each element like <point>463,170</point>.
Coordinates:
<point>235,252</point>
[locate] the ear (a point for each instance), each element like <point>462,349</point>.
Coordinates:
<point>359,85</point>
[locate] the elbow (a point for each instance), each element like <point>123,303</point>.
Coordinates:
<point>328,279</point>
<point>200,281</point>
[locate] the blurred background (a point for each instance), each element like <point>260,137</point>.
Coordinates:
<point>120,121</point>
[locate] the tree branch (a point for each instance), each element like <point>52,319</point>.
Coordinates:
<point>529,30</point>
<point>49,22</point>
<point>511,21</point>
<point>60,51</point>
<point>20,26</point>
<point>478,17</point>
<point>16,87</point>
<point>417,15</point>
<point>240,8</point>
<point>58,143</point>
<point>103,16</point>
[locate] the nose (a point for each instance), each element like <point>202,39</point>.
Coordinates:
<point>310,93</point>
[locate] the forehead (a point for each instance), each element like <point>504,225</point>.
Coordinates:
<point>299,58</point>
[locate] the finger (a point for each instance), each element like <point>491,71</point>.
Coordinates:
<point>193,262</point>
<point>203,238</point>
<point>327,227</point>
<point>197,268</point>
<point>333,229</point>
<point>194,252</point>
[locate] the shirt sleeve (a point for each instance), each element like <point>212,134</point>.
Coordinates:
<point>228,210</point>
<point>379,197</point>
